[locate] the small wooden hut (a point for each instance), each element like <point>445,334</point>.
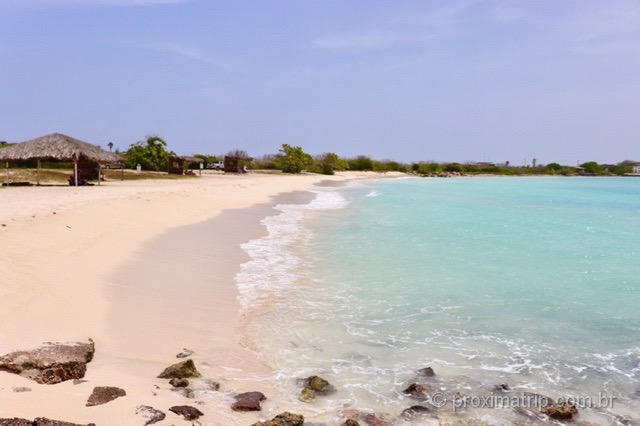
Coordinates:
<point>86,158</point>
<point>236,164</point>
<point>179,164</point>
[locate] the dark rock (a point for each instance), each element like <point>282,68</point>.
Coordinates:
<point>179,383</point>
<point>418,390</point>
<point>51,363</point>
<point>561,411</point>
<point>501,388</point>
<point>182,370</point>
<point>248,401</point>
<point>426,372</point>
<point>22,389</point>
<point>283,419</point>
<point>377,419</point>
<point>414,412</point>
<point>15,422</point>
<point>103,394</point>
<point>350,422</point>
<point>189,413</point>
<point>186,353</point>
<point>150,414</point>
<point>40,421</point>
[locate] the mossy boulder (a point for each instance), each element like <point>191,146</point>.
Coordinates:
<point>182,370</point>
<point>307,394</point>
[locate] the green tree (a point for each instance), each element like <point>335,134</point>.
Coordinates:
<point>621,168</point>
<point>329,162</point>
<point>453,167</point>
<point>292,159</point>
<point>361,163</point>
<point>592,167</point>
<point>150,154</point>
<point>554,167</point>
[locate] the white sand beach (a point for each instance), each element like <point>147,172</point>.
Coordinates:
<point>145,269</point>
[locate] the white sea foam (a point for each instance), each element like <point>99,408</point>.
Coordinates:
<point>271,268</point>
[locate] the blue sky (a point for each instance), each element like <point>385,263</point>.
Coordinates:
<point>405,80</point>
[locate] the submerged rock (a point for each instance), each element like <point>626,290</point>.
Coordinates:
<point>320,385</point>
<point>248,401</point>
<point>186,392</point>
<point>283,419</point>
<point>426,372</point>
<point>377,419</point>
<point>150,414</point>
<point>501,388</point>
<point>103,394</point>
<point>181,370</point>
<point>561,411</point>
<point>196,388</point>
<point>415,411</point>
<point>368,418</point>
<point>179,383</point>
<point>51,363</point>
<point>418,390</point>
<point>307,394</point>
<point>312,386</point>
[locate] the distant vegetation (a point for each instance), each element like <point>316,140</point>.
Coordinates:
<point>152,154</point>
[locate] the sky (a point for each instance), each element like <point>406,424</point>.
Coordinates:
<point>423,80</point>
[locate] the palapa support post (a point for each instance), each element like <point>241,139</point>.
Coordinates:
<point>38,174</point>
<point>75,171</point>
<point>7,170</point>
<point>99,173</point>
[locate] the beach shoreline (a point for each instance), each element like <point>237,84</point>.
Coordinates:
<point>68,256</point>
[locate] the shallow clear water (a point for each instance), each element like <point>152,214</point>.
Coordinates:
<point>533,282</point>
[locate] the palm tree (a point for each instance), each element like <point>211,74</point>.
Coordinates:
<point>110,145</point>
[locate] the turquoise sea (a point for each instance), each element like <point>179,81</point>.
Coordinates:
<point>529,282</point>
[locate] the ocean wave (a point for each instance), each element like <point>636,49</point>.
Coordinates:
<point>271,268</point>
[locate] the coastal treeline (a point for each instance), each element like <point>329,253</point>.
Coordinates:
<point>152,154</point>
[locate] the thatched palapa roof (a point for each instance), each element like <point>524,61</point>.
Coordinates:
<point>57,147</point>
